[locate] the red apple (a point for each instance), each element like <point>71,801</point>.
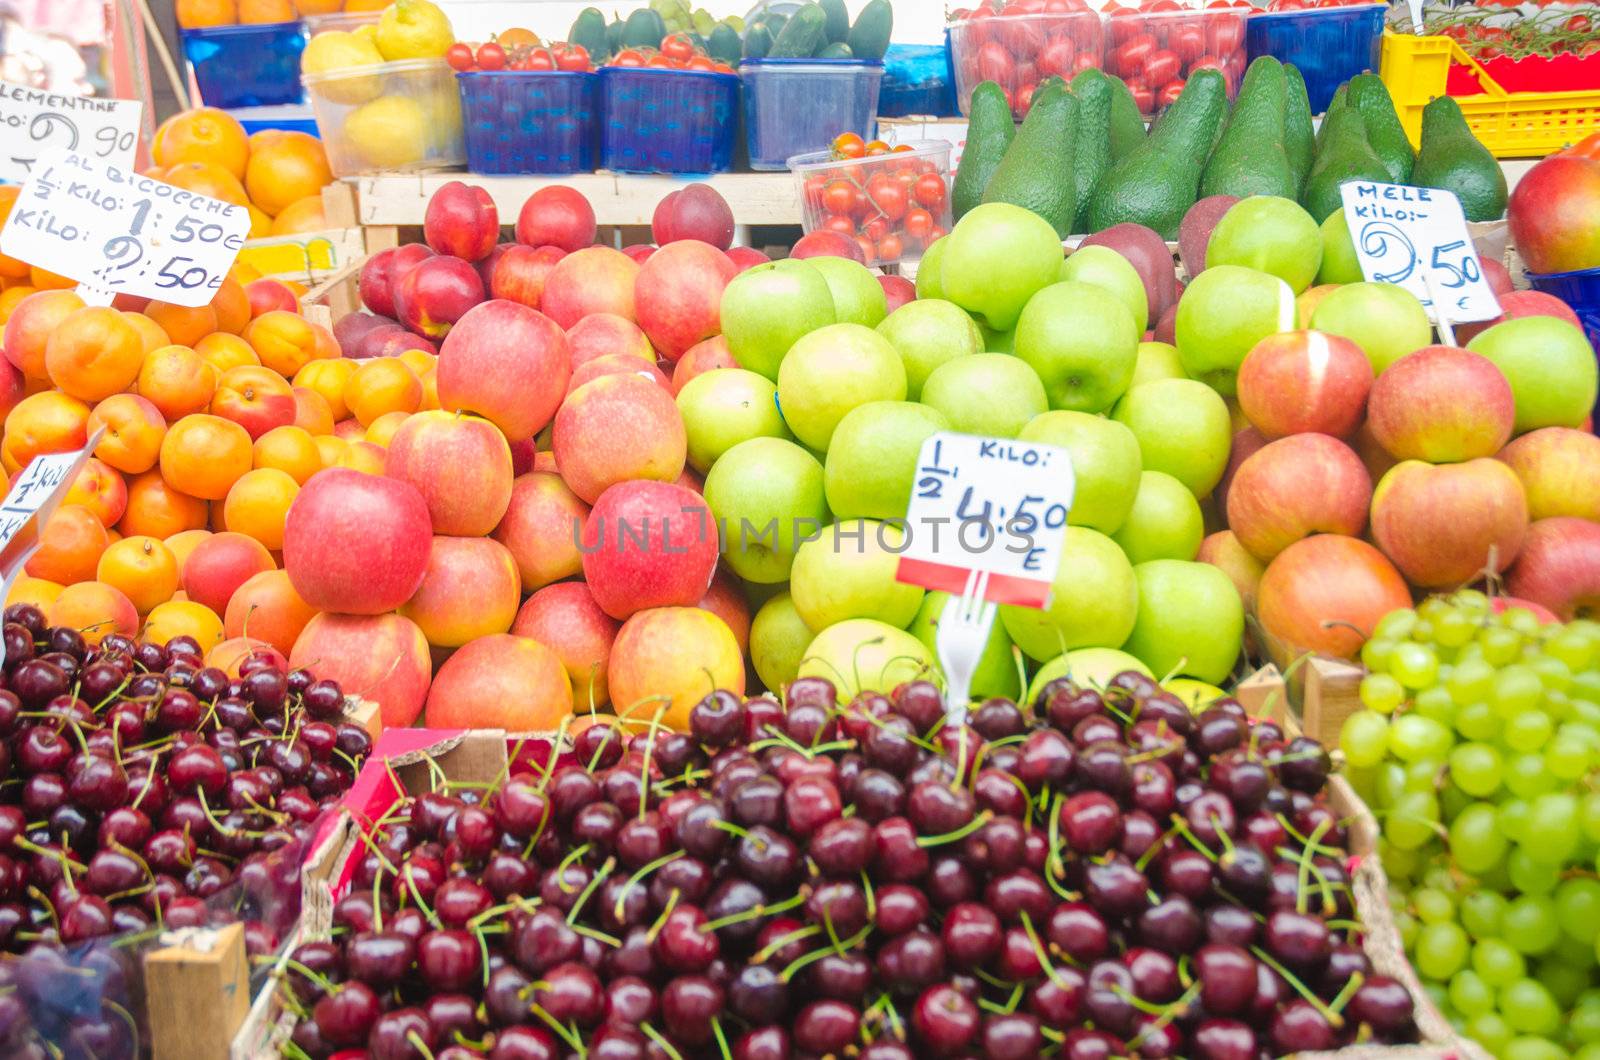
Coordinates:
<point>598,334</point>
<point>897,291</point>
<point>746,257</point>
<point>1147,252</point>
<point>592,280</point>
<point>1326,593</point>
<point>524,452</point>
<point>390,340</point>
<point>616,364</point>
<point>640,251</point>
<point>1294,487</point>
<point>566,619</point>
<point>1560,471</point>
<point>1560,567</point>
<point>648,544</point>
<point>541,527</point>
<point>436,293</point>
<point>471,589</point>
<point>381,658</point>
<point>501,682</point>
<point>1521,304</point>
<point>1441,404</point>
<point>1247,441</point>
<point>1298,381</point>
<point>256,398</point>
<point>617,428</point>
<point>381,272</point>
<point>507,363</point>
<point>1552,214</point>
<point>1223,551</point>
<point>219,565</point>
<point>519,275</point>
<point>460,464</point>
<point>350,329</point>
<point>674,653</point>
<point>1445,525</point>
<point>1501,604</point>
<point>1373,455</point>
<point>825,243</point>
<point>678,295</point>
<point>556,216</point>
<point>486,264</point>
<point>695,211</point>
<point>266,295</point>
<point>356,543</point>
<point>726,600</point>
<point>702,357</point>
<point>1497,276</point>
<point>461,220</point>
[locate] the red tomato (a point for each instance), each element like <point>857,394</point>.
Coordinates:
<point>1225,34</point>
<point>1129,58</point>
<point>1187,41</point>
<point>491,56</point>
<point>876,228</point>
<point>1056,58</point>
<point>918,224</point>
<point>1125,24</point>
<point>1578,24</point>
<point>889,197</point>
<point>937,234</point>
<point>1163,5</point>
<point>677,46</point>
<point>867,249</point>
<point>929,190</point>
<point>1162,66</point>
<point>811,192</point>
<point>460,57</point>
<point>1207,62</point>
<point>541,59</point>
<point>860,205</point>
<point>1082,62</point>
<point>848,145</point>
<point>702,62</point>
<point>838,196</point>
<point>575,57</point>
<point>1169,93</point>
<point>837,222</point>
<point>1142,96</point>
<point>628,57</point>
<point>890,248</point>
<point>666,62</point>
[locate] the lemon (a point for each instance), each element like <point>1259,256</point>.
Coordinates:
<point>442,106</point>
<point>388,133</point>
<point>336,50</point>
<point>414,29</point>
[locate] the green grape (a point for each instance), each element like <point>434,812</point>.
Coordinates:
<point>1440,878</point>
<point>1530,1047</point>
<point>1391,783</point>
<point>1587,1052</point>
<point>1498,962</point>
<point>1434,702</point>
<point>1441,951</point>
<point>1364,738</point>
<point>1567,758</point>
<point>1528,731</point>
<point>1525,776</point>
<point>1586,684</point>
<point>1412,820</point>
<point>1406,926</point>
<point>1577,955</point>
<point>1513,819</point>
<point>1381,692</point>
<point>1530,923</point>
<point>1452,800</point>
<point>1478,721</point>
<point>1529,875</point>
<point>1433,906</point>
<point>1500,646</point>
<point>1477,841</point>
<point>1413,737</point>
<point>1516,689</point>
<point>1471,652</point>
<point>1555,675</point>
<point>1470,995</point>
<point>1471,681</point>
<point>1572,647</point>
<point>1416,665</point>
<point>1433,607</point>
<point>1578,908</point>
<point>1584,1020</point>
<point>1422,632</point>
<point>1492,1032</point>
<point>1454,629</point>
<point>1583,711</point>
<point>1589,816</point>
<point>1520,619</point>
<point>1471,601</point>
<point>1558,705</point>
<point>1564,981</point>
<point>1581,732</point>
<point>1481,912</point>
<point>1375,654</point>
<point>1529,1008</point>
<point>1423,775</point>
<point>1551,834</point>
<point>1476,768</point>
<point>1396,625</point>
<point>1436,994</point>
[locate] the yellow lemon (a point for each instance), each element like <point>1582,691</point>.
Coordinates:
<point>388,133</point>
<point>414,29</point>
<point>335,50</point>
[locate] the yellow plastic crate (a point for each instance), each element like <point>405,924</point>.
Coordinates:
<point>1510,124</point>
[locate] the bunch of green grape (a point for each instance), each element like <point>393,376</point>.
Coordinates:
<point>1479,752</point>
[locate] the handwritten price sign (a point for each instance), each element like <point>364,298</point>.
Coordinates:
<point>1417,238</point>
<point>33,122</point>
<point>992,505</point>
<point>117,231</point>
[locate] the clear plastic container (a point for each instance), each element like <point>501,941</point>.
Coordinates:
<point>348,21</point>
<point>1328,45</point>
<point>796,105</point>
<point>1019,51</point>
<point>529,121</point>
<point>247,66</point>
<point>389,117</point>
<point>894,205</point>
<point>667,121</point>
<point>1155,52</point>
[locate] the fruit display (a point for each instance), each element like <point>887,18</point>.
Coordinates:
<point>1476,748</point>
<point>895,202</point>
<point>827,877</point>
<point>205,14</point>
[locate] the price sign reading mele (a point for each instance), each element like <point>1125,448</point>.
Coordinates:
<point>33,122</point>
<point>117,231</point>
<point>1417,238</point>
<point>988,504</point>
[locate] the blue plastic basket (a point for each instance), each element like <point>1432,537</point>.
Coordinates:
<point>247,66</point>
<point>917,80</point>
<point>792,106</point>
<point>1328,45</point>
<point>667,121</point>
<point>1581,291</point>
<point>529,121</point>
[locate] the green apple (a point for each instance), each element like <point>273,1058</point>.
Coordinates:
<point>1269,233</point>
<point>992,394</point>
<point>858,297</point>
<point>926,333</point>
<point>1339,261</point>
<point>778,641</point>
<point>1087,667</point>
<point>831,371</point>
<point>1549,365</point>
<point>1093,600</point>
<point>724,407</point>
<point>996,673</point>
<point>1183,429</point>
<point>872,461</point>
<point>1082,341</point>
<point>849,572</point>
<point>1105,268</point>
<point>929,283</point>
<point>861,655</point>
<point>1165,522</point>
<point>765,309</point>
<point>1196,695</point>
<point>1222,314</point>
<point>999,256</point>
<point>766,494</point>
<point>1105,465</point>
<point>1191,620</point>
<point>998,341</point>
<point>1386,321</point>
<point>1157,360</point>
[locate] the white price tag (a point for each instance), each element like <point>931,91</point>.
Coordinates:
<point>117,231</point>
<point>992,505</point>
<point>1409,236</point>
<point>33,122</point>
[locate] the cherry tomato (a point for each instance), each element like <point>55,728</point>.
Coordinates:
<point>1129,58</point>
<point>704,63</point>
<point>848,145</point>
<point>722,68</point>
<point>929,190</point>
<point>1143,97</point>
<point>838,196</point>
<point>491,56</point>
<point>1022,100</point>
<point>901,149</point>
<point>918,224</point>
<point>841,224</point>
<point>1188,41</point>
<point>811,192</point>
<point>868,251</point>
<point>1169,93</point>
<point>460,57</point>
<point>628,57</point>
<point>663,61</point>
<point>876,148</point>
<point>1225,34</point>
<point>1161,66</point>
<point>1057,56</point>
<point>890,248</point>
<point>1578,24</point>
<point>876,228</point>
<point>889,196</point>
<point>677,46</point>
<point>935,235</point>
<point>575,57</point>
<point>1125,24</point>
<point>995,64</point>
<point>1082,63</point>
<point>860,205</point>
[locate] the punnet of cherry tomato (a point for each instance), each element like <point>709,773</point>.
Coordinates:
<point>1509,29</point>
<point>893,201</point>
<point>494,55</point>
<point>677,52</point>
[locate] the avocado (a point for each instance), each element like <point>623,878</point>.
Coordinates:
<point>723,43</point>
<point>838,20</point>
<point>1250,158</point>
<point>1036,172</point>
<point>1299,142</point>
<point>1092,150</point>
<point>1452,158</point>
<point>1344,155</point>
<point>589,30</point>
<point>869,37</point>
<point>1369,95</point>
<point>990,130</point>
<point>802,36</point>
<point>1339,95</point>
<point>1156,184</point>
<point>643,29</point>
<point>1127,124</point>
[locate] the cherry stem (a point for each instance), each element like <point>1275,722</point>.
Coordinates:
<point>416,896</point>
<point>959,834</point>
<point>1347,992</point>
<point>816,955</point>
<point>417,1043</point>
<point>656,1036</point>
<point>599,936</point>
<point>1305,869</point>
<point>1334,1019</point>
<point>722,1039</point>
<point>634,880</point>
<point>661,921</point>
<point>566,1034</point>
<point>783,940</point>
<point>595,881</point>
<point>566,862</point>
<point>1039,951</point>
<point>755,912</point>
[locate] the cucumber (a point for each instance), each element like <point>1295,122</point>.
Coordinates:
<point>802,35</point>
<point>838,20</point>
<point>836,50</point>
<point>757,41</point>
<point>869,37</point>
<point>644,29</point>
<point>724,44</point>
<point>775,22</point>
<point>589,30</point>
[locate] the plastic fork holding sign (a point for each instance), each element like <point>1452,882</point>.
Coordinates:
<point>986,523</point>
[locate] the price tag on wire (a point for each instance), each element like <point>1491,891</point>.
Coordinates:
<point>1417,238</point>
<point>33,122</point>
<point>116,231</point>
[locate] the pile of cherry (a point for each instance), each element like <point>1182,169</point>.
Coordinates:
<point>141,790</point>
<point>1105,876</point>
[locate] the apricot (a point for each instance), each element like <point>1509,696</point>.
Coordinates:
<point>177,380</point>
<point>290,449</point>
<point>184,325</point>
<point>134,428</point>
<point>383,384</point>
<point>101,490</point>
<point>204,455</point>
<point>157,509</point>
<point>183,618</point>
<point>69,547</point>
<point>142,568</point>
<point>29,327</point>
<point>46,422</point>
<point>258,504</point>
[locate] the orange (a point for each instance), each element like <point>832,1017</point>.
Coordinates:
<point>153,335</point>
<point>384,427</point>
<point>156,509</point>
<point>134,429</point>
<point>99,489</point>
<point>143,568</point>
<point>267,607</point>
<point>11,296</point>
<point>69,547</point>
<point>198,14</point>
<point>94,353</point>
<point>328,377</point>
<point>94,609</point>
<point>292,450</point>
<point>39,592</point>
<point>365,5</point>
<point>30,324</point>
<point>258,504</point>
<point>262,11</point>
<point>284,341</point>
<point>302,215</point>
<point>204,455</point>
<point>317,7</point>
<point>311,411</point>
<point>285,168</point>
<point>10,268</point>
<point>177,381</point>
<point>204,134</point>
<point>183,325</point>
<point>224,351</point>
<point>364,456</point>
<point>231,305</point>
<point>207,178</point>
<point>383,384</point>
<point>46,422</point>
<point>331,448</point>
<point>44,279</point>
<point>183,618</point>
